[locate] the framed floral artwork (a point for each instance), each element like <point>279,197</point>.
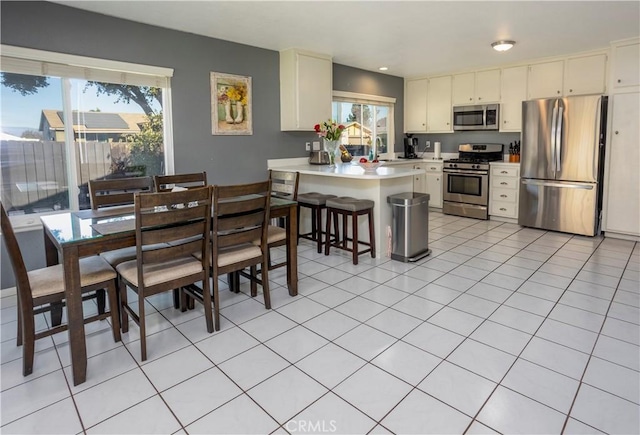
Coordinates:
<point>231,104</point>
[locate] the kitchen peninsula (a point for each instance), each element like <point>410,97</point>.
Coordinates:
<point>351,180</point>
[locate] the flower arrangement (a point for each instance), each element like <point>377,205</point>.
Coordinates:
<point>234,92</point>
<point>329,130</point>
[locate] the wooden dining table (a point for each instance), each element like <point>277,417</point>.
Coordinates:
<point>72,235</point>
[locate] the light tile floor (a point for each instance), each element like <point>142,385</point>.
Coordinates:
<point>502,329</point>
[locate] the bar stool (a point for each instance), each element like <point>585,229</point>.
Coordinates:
<point>347,206</point>
<point>316,202</point>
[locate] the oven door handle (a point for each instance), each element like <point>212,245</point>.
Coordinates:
<point>459,171</point>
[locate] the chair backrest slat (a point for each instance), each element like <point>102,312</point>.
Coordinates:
<point>117,191</point>
<point>168,217</point>
<point>284,184</point>
<point>240,214</point>
<point>165,183</point>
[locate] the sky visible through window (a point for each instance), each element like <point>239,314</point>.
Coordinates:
<point>20,113</point>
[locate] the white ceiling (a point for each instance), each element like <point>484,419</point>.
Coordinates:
<point>411,38</point>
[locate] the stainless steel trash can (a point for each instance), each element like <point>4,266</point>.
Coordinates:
<point>409,226</point>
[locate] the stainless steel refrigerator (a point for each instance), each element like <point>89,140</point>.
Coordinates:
<point>561,161</point>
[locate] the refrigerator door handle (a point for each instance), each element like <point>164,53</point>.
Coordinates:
<point>597,140</point>
<point>554,126</point>
<point>563,185</point>
<point>558,140</point>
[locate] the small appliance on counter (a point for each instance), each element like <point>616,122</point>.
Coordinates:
<point>319,158</point>
<point>410,147</point>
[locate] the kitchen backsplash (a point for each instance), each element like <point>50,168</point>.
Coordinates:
<point>450,141</point>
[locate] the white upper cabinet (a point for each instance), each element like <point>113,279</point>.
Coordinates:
<point>545,79</point>
<point>585,75</point>
<point>476,87</point>
<point>439,109</point>
<point>514,92</point>
<point>464,87</point>
<point>626,58</point>
<point>306,89</point>
<point>415,113</point>
<point>488,86</point>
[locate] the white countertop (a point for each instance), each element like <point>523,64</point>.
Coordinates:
<point>347,170</point>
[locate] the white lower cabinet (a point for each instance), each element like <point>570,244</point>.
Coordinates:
<point>433,183</point>
<point>503,190</point>
<point>420,181</point>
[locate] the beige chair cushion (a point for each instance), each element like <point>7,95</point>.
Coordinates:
<point>50,280</point>
<point>125,254</point>
<point>275,234</point>
<point>156,273</point>
<point>236,254</point>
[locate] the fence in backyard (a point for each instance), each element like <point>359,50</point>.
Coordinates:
<point>34,173</point>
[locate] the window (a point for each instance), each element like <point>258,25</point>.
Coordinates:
<point>69,119</point>
<point>368,120</point>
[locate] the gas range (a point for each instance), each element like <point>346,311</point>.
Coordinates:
<point>466,186</point>
<point>475,156</point>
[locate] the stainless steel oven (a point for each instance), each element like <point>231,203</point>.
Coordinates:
<point>466,190</point>
<point>466,180</point>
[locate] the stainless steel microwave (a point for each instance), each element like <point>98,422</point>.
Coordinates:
<point>480,117</point>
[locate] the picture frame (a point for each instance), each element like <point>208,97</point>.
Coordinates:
<point>231,112</point>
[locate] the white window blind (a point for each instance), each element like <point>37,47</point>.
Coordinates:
<point>351,97</point>
<point>20,60</point>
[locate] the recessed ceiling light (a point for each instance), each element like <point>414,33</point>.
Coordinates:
<point>383,68</point>
<point>503,45</point>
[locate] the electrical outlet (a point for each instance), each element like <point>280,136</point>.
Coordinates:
<point>307,146</point>
<point>428,144</point>
<point>316,145</point>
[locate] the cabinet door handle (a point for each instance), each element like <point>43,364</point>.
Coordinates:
<point>437,179</point>
<point>505,121</point>
<point>503,183</point>
<point>619,81</point>
<point>432,168</point>
<point>504,172</point>
<point>479,98</point>
<point>557,92</point>
<point>470,99</point>
<point>570,90</point>
<point>503,209</point>
<point>503,196</point>
<point>616,131</point>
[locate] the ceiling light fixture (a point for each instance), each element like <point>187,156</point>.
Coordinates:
<point>383,68</point>
<point>503,45</point>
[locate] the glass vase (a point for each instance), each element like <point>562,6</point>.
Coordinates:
<point>331,146</point>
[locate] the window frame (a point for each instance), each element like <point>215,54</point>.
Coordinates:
<point>67,67</point>
<point>376,100</point>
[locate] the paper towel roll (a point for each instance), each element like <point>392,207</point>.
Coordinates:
<point>436,149</point>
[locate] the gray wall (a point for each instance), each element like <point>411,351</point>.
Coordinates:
<point>227,159</point>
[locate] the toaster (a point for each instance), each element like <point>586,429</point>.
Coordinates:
<point>319,158</point>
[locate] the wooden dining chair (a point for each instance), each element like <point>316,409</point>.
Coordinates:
<point>239,235</point>
<point>170,227</point>
<point>284,184</point>
<point>166,183</point>
<point>41,289</point>
<point>117,191</point>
